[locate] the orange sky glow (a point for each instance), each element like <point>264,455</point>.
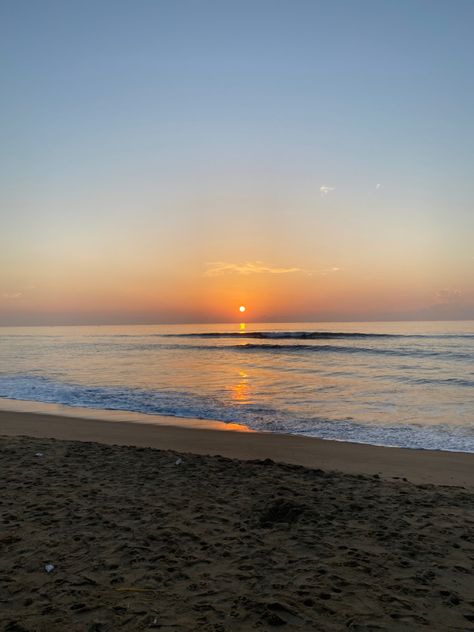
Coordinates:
<point>156,169</point>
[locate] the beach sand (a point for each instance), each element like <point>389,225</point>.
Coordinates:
<point>144,538</point>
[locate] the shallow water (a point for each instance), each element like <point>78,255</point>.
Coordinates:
<point>399,384</point>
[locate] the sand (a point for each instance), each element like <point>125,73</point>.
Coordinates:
<point>144,538</point>
<point>235,441</point>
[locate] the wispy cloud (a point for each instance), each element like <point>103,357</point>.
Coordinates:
<point>324,189</point>
<point>11,295</point>
<point>378,186</point>
<point>447,295</point>
<point>216,268</point>
<point>327,271</point>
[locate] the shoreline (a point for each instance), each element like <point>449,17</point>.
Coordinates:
<point>234,441</point>
<point>110,415</point>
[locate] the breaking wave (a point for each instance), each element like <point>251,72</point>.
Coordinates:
<point>193,405</point>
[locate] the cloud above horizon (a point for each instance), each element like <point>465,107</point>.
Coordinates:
<point>216,268</point>
<point>11,295</point>
<point>324,189</point>
<point>329,270</point>
<point>448,295</point>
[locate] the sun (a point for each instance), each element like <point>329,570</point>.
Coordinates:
<point>242,308</point>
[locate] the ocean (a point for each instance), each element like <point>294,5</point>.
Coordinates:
<point>393,384</point>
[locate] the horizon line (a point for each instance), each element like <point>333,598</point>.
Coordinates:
<point>239,322</point>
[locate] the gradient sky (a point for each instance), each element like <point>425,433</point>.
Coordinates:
<point>169,160</point>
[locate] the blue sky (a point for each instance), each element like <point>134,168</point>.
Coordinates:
<point>190,122</point>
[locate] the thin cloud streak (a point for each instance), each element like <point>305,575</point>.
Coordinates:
<point>217,268</point>
<point>448,295</point>
<point>12,295</point>
<point>327,271</point>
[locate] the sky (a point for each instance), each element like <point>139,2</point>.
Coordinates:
<point>171,160</point>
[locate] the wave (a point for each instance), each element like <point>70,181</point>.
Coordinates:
<point>194,405</point>
<point>447,381</point>
<point>306,335</point>
<point>279,335</point>
<point>302,348</point>
<point>268,347</point>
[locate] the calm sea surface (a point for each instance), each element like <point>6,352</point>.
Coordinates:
<point>397,384</point>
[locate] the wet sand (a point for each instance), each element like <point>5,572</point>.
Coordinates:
<point>234,441</point>
<point>144,538</point>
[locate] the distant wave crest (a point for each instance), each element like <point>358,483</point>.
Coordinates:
<point>309,348</point>
<point>280,335</point>
<point>306,335</point>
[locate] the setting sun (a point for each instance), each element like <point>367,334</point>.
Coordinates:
<point>242,308</point>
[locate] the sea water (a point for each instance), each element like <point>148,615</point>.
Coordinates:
<point>394,384</point>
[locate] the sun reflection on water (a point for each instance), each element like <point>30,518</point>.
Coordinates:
<point>240,392</point>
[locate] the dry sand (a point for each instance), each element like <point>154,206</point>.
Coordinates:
<point>140,542</point>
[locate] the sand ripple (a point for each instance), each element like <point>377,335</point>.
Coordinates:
<point>141,543</point>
